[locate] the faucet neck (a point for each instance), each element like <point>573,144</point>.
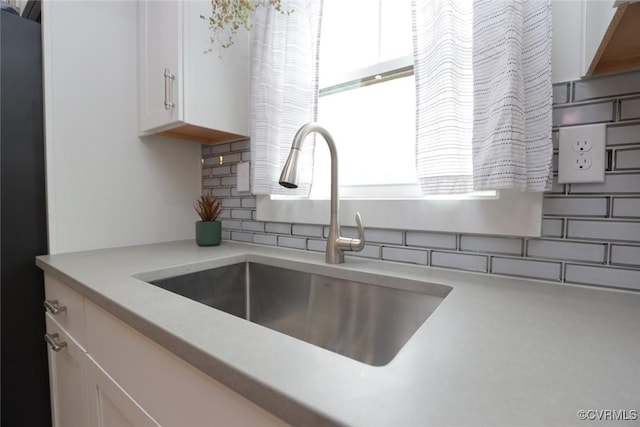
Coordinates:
<point>336,245</point>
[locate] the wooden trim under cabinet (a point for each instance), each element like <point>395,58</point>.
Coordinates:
<point>620,46</point>
<point>200,135</point>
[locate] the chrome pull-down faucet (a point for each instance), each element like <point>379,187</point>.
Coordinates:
<point>336,244</point>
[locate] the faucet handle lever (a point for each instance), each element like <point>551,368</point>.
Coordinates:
<point>358,244</point>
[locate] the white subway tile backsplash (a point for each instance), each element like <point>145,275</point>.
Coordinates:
<point>231,203</point>
<point>277,227</point>
<point>604,230</point>
<point>307,230</point>
<point>613,183</point>
<point>503,245</point>
<point>607,86</point>
<point>210,182</point>
<point>376,235</point>
<point>265,239</point>
<point>219,170</point>
<point>601,276</point>
<point>558,249</point>
<point>220,192</point>
<point>231,224</point>
<point>526,268</point>
<point>231,158</point>
<point>248,203</point>
<point>240,145</point>
<point>584,114</point>
<point>240,214</point>
<point>575,206</point>
<point>229,180</point>
<point>391,237</point>
<point>625,255</point>
<point>316,245</point>
<point>630,109</point>
<point>626,207</point>
<point>431,240</point>
<point>623,135</point>
<point>413,256</point>
<point>219,148</point>
<point>253,226</point>
<point>459,261</point>
<point>292,242</point>
<point>628,159</point>
<point>553,227</point>
<point>369,251</point>
<point>239,236</point>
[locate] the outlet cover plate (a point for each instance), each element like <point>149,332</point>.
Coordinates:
<point>581,153</point>
<point>243,177</point>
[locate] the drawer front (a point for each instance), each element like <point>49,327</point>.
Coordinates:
<point>66,307</point>
<point>67,378</point>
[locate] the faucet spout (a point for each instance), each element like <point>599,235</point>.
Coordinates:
<point>336,245</point>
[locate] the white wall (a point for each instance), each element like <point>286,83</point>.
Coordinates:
<point>105,186</point>
<point>568,32</point>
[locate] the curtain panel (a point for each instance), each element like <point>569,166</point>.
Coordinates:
<point>442,49</point>
<point>284,90</point>
<point>512,146</point>
<point>483,95</point>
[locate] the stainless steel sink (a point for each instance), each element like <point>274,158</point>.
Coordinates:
<point>365,322</point>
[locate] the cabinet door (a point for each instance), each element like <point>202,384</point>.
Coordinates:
<point>111,406</point>
<point>67,378</point>
<point>160,63</point>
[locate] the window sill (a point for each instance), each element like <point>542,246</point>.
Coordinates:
<point>513,213</point>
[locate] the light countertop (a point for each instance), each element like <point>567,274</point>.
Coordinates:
<point>497,351</point>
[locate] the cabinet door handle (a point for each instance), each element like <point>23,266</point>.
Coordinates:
<point>52,340</point>
<point>53,307</point>
<point>168,99</point>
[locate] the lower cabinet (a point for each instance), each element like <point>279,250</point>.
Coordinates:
<point>116,377</point>
<point>110,405</point>
<point>67,378</point>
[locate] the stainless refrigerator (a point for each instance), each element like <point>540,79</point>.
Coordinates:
<point>23,364</point>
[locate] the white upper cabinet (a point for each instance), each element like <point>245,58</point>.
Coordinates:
<point>184,92</point>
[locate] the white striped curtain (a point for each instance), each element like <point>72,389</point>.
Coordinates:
<point>483,86</point>
<point>284,90</point>
<point>512,145</point>
<point>442,49</point>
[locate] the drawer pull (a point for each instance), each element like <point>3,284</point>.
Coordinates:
<point>53,307</point>
<point>52,340</point>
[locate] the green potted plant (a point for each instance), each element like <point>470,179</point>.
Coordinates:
<point>208,230</point>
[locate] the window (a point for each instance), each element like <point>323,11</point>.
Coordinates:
<point>367,98</point>
<point>367,103</point>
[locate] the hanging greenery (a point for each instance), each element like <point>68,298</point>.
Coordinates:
<point>229,16</point>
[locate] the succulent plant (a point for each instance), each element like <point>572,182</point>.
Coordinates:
<point>208,208</point>
<point>229,16</point>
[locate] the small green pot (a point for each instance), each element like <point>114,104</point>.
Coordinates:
<point>208,233</point>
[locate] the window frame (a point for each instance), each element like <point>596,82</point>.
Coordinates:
<point>512,213</point>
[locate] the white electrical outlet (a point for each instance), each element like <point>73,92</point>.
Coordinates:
<point>581,154</point>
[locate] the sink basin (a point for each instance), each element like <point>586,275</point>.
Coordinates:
<point>366,322</point>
